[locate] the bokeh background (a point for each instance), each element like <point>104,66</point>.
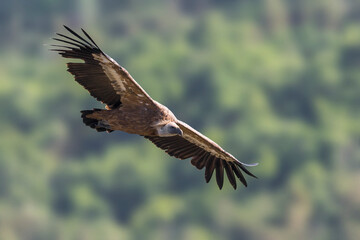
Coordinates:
<point>272,81</point>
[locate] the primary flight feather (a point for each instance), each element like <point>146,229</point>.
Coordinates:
<point>130,109</point>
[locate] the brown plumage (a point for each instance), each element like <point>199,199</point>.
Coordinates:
<point>130,109</point>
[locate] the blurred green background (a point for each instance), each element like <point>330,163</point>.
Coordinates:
<point>272,81</point>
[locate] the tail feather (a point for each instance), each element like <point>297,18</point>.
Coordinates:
<point>98,125</point>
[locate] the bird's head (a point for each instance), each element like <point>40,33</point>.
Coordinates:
<point>169,129</point>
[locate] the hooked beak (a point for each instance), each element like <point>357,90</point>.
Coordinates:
<point>178,131</point>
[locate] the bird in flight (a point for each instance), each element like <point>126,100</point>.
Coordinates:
<point>130,109</point>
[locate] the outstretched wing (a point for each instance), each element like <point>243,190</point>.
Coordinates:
<point>104,78</point>
<point>203,153</point>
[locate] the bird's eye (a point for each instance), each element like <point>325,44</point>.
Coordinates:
<point>172,127</point>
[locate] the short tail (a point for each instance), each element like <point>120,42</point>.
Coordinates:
<point>98,125</point>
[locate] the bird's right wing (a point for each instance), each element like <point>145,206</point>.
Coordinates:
<point>103,77</point>
<point>204,153</point>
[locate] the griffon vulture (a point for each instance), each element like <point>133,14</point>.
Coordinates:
<point>130,109</point>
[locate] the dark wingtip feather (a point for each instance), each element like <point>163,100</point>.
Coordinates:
<point>210,166</point>
<point>88,36</point>
<point>72,39</point>
<point>77,35</point>
<point>230,174</point>
<point>64,41</point>
<point>56,50</point>
<point>55,45</point>
<point>239,174</point>
<point>247,172</point>
<point>220,173</point>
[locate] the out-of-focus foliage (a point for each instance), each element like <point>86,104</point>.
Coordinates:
<point>275,82</point>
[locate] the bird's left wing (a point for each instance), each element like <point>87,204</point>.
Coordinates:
<point>103,77</point>
<point>203,153</point>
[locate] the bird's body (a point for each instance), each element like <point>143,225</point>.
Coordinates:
<point>125,118</point>
<point>130,109</point>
